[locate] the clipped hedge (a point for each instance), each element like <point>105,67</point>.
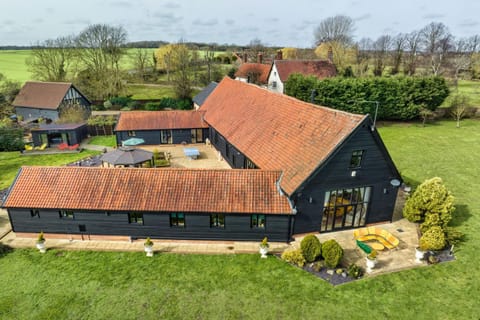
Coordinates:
<point>332,252</point>
<point>400,98</point>
<point>311,248</point>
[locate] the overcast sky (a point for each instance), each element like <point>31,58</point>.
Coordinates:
<point>276,23</point>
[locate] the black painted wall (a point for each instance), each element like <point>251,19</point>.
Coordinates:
<point>233,157</point>
<point>74,135</point>
<point>152,137</point>
<point>374,172</point>
<point>156,225</point>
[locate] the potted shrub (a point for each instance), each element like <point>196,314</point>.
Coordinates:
<point>371,260</point>
<point>148,245</point>
<point>41,243</point>
<point>264,247</point>
<point>419,254</point>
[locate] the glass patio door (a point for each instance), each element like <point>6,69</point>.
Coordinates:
<point>345,208</point>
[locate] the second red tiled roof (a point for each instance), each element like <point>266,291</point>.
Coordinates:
<point>318,68</point>
<point>157,120</point>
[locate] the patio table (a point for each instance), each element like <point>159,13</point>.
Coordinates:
<point>192,153</point>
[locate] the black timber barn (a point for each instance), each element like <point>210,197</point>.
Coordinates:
<point>328,170</point>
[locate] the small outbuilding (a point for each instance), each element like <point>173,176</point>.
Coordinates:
<point>127,157</point>
<point>55,134</point>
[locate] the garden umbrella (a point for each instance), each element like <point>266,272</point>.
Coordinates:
<point>133,142</point>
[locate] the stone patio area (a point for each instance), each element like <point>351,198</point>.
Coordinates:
<point>209,157</point>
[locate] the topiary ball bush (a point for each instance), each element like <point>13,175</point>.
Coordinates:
<point>433,239</point>
<point>332,252</point>
<point>311,248</point>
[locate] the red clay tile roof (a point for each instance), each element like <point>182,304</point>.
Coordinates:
<point>41,95</point>
<point>156,120</point>
<point>275,131</point>
<point>319,68</point>
<point>131,189</point>
<point>262,69</point>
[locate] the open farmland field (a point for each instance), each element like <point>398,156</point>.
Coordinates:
<point>13,66</point>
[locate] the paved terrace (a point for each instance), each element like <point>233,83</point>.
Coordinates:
<point>400,258</point>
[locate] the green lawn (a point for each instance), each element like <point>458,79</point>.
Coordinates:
<point>107,141</point>
<point>96,285</point>
<point>13,66</point>
<point>10,162</point>
<point>471,89</point>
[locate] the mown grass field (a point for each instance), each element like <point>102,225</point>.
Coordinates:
<point>13,66</point>
<point>10,162</point>
<point>104,285</point>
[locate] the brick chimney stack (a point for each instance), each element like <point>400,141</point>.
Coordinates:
<point>279,55</point>
<point>260,57</point>
<point>245,57</point>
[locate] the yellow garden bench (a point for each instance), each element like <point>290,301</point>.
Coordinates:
<point>376,234</point>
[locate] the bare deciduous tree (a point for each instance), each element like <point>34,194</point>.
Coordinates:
<point>412,43</point>
<point>51,60</point>
<point>335,29</point>
<point>398,47</point>
<point>364,54</point>
<point>102,47</point>
<point>142,63</point>
<point>381,50</point>
<point>437,41</point>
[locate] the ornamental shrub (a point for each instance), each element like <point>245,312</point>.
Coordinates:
<point>332,252</point>
<point>11,139</point>
<point>431,198</point>
<point>311,248</point>
<point>294,257</point>
<point>433,239</point>
<point>354,271</point>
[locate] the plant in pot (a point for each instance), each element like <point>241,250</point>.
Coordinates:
<point>264,247</point>
<point>148,245</point>
<point>371,260</point>
<point>41,243</point>
<point>420,253</point>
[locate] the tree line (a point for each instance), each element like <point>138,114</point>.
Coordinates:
<point>431,50</point>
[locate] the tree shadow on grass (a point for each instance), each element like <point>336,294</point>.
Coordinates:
<point>461,215</point>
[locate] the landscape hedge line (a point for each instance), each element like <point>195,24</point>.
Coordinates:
<point>400,98</point>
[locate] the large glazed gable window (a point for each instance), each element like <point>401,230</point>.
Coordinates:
<point>356,160</point>
<point>257,221</point>
<point>345,208</point>
<point>217,221</point>
<point>177,220</point>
